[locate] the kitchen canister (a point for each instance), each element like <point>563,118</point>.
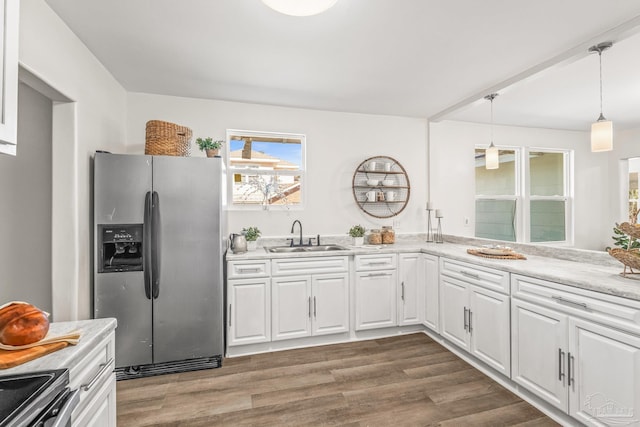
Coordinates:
<point>375,237</point>
<point>388,235</point>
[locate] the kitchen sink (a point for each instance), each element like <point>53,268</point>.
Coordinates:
<point>318,248</point>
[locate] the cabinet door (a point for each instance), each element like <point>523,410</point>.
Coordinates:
<point>538,348</point>
<point>9,77</point>
<point>249,311</point>
<point>431,292</point>
<point>100,411</point>
<point>291,307</point>
<point>490,328</point>
<point>605,375</point>
<point>453,306</point>
<point>411,290</point>
<point>330,305</point>
<point>375,299</point>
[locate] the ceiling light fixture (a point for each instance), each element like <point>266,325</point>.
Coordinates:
<point>300,7</point>
<point>602,129</point>
<point>491,155</point>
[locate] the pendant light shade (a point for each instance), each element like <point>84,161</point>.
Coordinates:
<point>602,129</point>
<point>602,135</point>
<point>300,7</point>
<point>491,155</point>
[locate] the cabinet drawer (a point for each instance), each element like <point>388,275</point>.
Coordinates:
<point>92,371</point>
<point>248,269</point>
<point>481,276</point>
<point>290,266</point>
<point>609,310</point>
<point>375,262</point>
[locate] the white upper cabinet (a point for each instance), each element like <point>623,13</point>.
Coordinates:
<point>10,10</point>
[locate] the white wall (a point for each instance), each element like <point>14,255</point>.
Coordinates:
<point>94,120</point>
<point>25,222</point>
<point>336,144</point>
<point>452,174</point>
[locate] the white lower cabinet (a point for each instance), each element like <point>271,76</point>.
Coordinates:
<point>249,311</point>
<point>101,410</point>
<point>376,299</point>
<point>310,305</point>
<point>589,370</point>
<point>94,378</point>
<point>539,346</point>
<point>604,372</point>
<point>410,303</point>
<point>330,294</point>
<point>475,318</point>
<point>431,274</point>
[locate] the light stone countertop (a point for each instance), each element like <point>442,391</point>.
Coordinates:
<point>93,331</point>
<point>595,277</point>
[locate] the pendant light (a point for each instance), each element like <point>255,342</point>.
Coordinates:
<point>300,7</point>
<point>491,155</point>
<point>602,129</point>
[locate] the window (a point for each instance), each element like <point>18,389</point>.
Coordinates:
<point>527,199</point>
<point>265,169</point>
<point>496,197</point>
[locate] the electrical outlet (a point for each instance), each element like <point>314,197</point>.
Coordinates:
<point>396,223</point>
<point>466,221</point>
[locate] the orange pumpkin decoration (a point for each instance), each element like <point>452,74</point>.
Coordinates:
<point>22,323</point>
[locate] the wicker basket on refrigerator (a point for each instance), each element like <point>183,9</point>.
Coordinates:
<point>167,139</point>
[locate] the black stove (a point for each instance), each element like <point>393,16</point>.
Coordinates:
<point>28,399</point>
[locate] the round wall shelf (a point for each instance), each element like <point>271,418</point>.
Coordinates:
<point>381,187</point>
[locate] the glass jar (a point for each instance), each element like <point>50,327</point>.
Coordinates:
<point>375,237</point>
<point>388,235</point>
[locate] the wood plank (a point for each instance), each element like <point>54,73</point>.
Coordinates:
<point>401,380</point>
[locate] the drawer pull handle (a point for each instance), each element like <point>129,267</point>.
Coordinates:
<point>249,270</point>
<point>377,274</point>
<point>103,368</point>
<point>472,275</point>
<point>378,263</point>
<point>561,300</point>
<point>466,322</point>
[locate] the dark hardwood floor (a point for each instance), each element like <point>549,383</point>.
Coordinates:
<point>405,380</point>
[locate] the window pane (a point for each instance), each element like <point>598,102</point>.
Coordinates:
<point>546,171</point>
<point>495,182</point>
<point>547,221</point>
<point>254,153</point>
<point>495,219</point>
<point>265,168</point>
<point>262,189</point>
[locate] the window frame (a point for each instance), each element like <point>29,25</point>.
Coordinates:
<point>523,197</point>
<point>567,198</point>
<point>232,170</point>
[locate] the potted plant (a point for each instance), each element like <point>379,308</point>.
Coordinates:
<point>211,147</point>
<point>251,234</point>
<point>357,232</point>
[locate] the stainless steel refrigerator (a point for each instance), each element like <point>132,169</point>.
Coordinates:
<point>158,260</point>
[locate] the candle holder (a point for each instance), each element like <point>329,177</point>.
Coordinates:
<point>438,236</point>
<point>429,231</point>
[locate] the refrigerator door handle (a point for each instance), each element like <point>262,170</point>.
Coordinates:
<point>146,245</point>
<point>155,243</point>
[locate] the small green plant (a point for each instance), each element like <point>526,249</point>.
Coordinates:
<point>208,144</point>
<point>251,233</point>
<point>357,231</point>
<point>623,240</point>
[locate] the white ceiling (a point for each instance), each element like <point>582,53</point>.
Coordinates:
<point>399,57</point>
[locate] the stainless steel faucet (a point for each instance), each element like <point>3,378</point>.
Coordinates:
<point>293,226</point>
